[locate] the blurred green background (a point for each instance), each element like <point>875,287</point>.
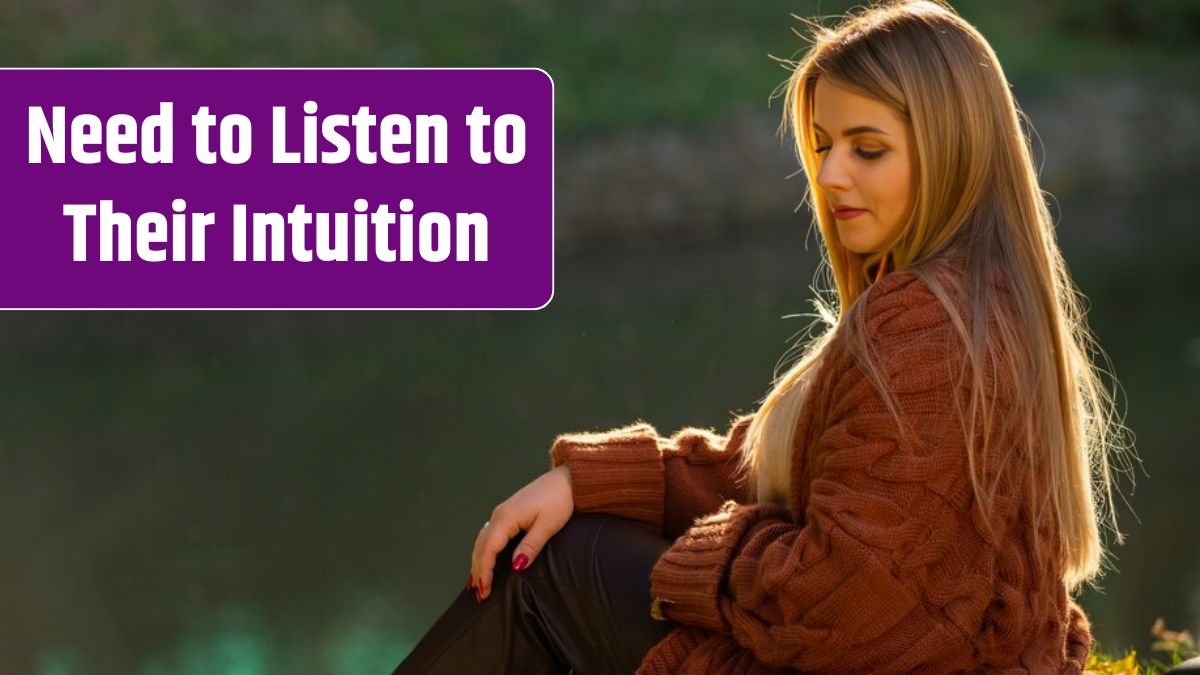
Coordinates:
<point>231,493</point>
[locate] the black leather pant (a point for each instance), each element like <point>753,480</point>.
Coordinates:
<point>582,606</point>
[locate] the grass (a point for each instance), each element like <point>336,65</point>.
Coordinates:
<point>1173,646</point>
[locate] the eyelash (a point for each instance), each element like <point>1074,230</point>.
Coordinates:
<point>861,153</point>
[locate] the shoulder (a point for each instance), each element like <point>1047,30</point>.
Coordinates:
<point>935,294</point>
<point>913,327</point>
<point>895,339</point>
<point>911,308</point>
<point>921,326</point>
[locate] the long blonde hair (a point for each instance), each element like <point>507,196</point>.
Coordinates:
<point>977,195</point>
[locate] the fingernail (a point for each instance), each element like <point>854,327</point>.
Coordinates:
<point>520,563</point>
<point>470,581</point>
<point>479,596</point>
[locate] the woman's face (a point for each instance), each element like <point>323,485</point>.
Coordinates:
<point>865,167</point>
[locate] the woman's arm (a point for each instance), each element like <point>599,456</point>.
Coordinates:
<point>663,483</point>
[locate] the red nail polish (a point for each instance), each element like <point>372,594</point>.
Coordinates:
<point>520,563</point>
<point>470,581</point>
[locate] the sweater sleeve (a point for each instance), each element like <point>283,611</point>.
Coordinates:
<point>662,483</point>
<point>886,571</point>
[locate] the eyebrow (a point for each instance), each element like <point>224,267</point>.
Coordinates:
<point>854,130</point>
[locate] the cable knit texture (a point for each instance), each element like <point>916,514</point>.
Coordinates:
<point>882,563</point>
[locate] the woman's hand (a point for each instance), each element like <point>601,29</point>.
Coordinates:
<point>540,508</point>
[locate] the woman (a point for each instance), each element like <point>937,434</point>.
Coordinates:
<point>920,492</point>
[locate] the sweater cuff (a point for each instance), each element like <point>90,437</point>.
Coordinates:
<point>690,575</point>
<point>619,472</point>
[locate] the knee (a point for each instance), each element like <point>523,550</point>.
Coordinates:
<point>589,540</point>
<point>579,534</point>
<point>570,547</point>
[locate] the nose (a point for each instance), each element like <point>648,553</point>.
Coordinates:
<point>832,175</point>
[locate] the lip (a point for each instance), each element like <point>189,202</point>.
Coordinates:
<point>843,213</point>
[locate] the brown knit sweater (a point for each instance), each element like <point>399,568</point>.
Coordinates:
<point>881,564</point>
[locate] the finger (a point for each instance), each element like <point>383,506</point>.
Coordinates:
<point>496,538</point>
<point>475,558</point>
<point>531,544</point>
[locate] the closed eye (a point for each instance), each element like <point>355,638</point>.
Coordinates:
<point>865,154</point>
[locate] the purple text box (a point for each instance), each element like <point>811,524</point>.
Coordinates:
<point>494,248</point>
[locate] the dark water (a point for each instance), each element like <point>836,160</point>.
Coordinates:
<point>238,494</point>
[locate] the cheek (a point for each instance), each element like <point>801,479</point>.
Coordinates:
<point>895,194</point>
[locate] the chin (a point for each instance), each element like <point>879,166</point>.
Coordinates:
<point>859,245</point>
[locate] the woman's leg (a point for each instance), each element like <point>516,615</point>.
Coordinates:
<point>582,605</point>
